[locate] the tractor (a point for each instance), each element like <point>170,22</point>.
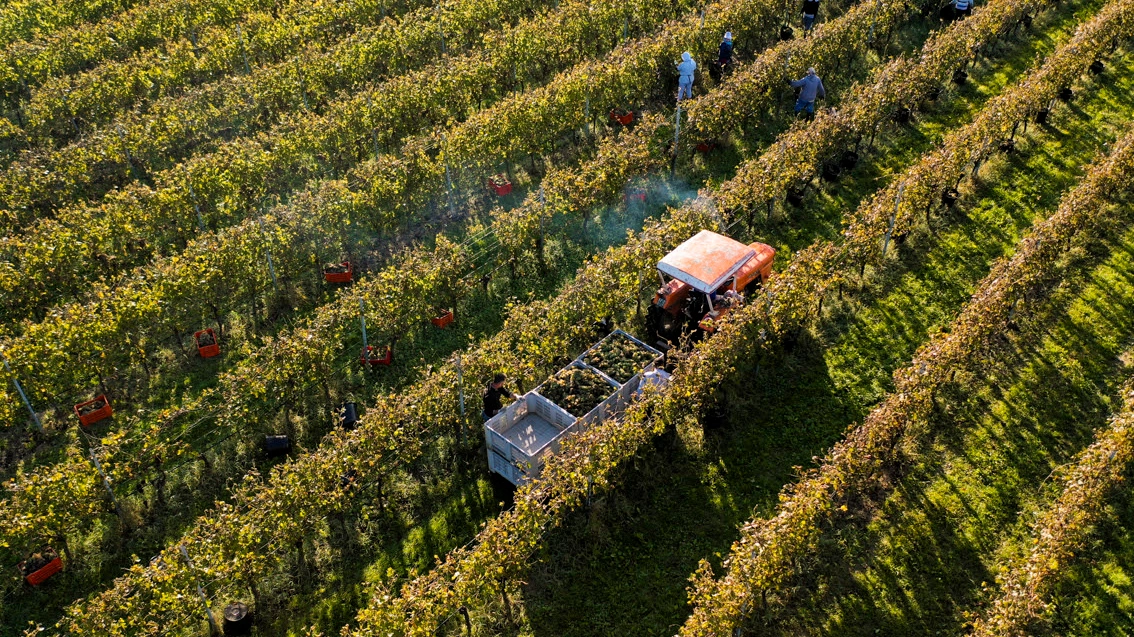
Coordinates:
<point>702,280</point>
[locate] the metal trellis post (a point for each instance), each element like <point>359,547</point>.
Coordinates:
<point>106,483</point>
<point>200,591</point>
<point>268,253</point>
<point>448,177</point>
<point>126,149</point>
<point>373,131</point>
<point>873,19</point>
<point>893,219</point>
<point>302,85</point>
<point>243,50</point>
<point>362,320</point>
<point>24,397</point>
<point>197,207</point>
<point>587,112</point>
<point>461,394</point>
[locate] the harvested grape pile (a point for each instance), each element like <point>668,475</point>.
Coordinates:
<point>577,390</point>
<point>619,357</point>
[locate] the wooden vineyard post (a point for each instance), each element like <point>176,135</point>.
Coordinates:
<point>201,593</point>
<point>24,397</point>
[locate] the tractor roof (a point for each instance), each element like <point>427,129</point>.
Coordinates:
<point>706,261</point>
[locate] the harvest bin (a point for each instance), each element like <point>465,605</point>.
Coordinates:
<point>340,273</point>
<point>38,568</point>
<point>588,356</point>
<point>370,356</point>
<point>93,411</point>
<point>207,345</point>
<point>500,185</point>
<point>620,116</point>
<point>523,434</point>
<point>443,320</point>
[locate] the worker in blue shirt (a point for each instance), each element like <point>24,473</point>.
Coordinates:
<point>685,69</point>
<point>963,8</point>
<point>810,87</point>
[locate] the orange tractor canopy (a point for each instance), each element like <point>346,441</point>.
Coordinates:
<point>702,279</point>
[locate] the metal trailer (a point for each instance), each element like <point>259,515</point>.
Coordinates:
<point>525,433</point>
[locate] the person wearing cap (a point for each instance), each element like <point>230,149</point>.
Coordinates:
<point>724,52</point>
<point>810,10</point>
<point>492,395</point>
<point>810,87</point>
<point>685,70</point>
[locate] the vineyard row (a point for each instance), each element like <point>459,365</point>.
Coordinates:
<point>431,274</point>
<point>765,556</point>
<point>469,577</point>
<point>1061,533</point>
<point>224,184</point>
<point>435,396</point>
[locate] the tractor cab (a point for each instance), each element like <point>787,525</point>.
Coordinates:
<point>701,281</point>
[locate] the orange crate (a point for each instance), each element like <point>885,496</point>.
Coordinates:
<point>43,573</point>
<point>500,185</point>
<point>91,416</point>
<point>339,277</point>
<point>622,117</point>
<point>368,357</point>
<point>444,320</point>
<point>211,348</point>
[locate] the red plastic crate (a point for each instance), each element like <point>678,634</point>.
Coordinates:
<point>639,195</point>
<point>622,117</point>
<point>340,277</point>
<point>367,357</point>
<point>705,147</point>
<point>444,320</point>
<point>207,351</point>
<point>500,185</point>
<point>43,573</point>
<point>92,417</point>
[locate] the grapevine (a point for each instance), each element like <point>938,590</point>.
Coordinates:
<point>472,575</point>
